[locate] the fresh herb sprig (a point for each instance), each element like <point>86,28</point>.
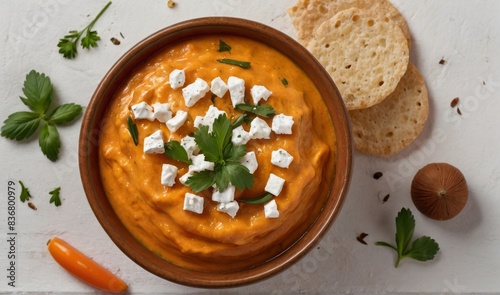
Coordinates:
<point>422,249</point>
<point>55,196</point>
<point>263,110</point>
<point>18,126</point>
<point>69,43</point>
<point>218,148</point>
<point>25,193</point>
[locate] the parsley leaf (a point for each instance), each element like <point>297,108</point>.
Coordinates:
<point>263,110</point>
<point>207,144</point>
<point>25,193</point>
<point>422,249</point>
<point>65,113</point>
<point>238,175</point>
<point>38,91</point>
<point>49,141</point>
<point>68,44</point>
<point>174,150</point>
<point>21,125</point>
<point>218,148</point>
<point>201,181</point>
<point>55,198</point>
<point>223,46</point>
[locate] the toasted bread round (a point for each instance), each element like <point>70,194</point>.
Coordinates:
<point>365,54</point>
<point>307,15</point>
<point>391,125</point>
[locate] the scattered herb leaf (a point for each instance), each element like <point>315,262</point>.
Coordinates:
<point>223,46</point>
<point>174,150</point>
<point>361,238</point>
<point>55,196</point>
<point>263,110</point>
<point>21,125</point>
<point>264,198</point>
<point>241,64</point>
<point>217,147</point>
<point>49,141</point>
<point>69,43</point>
<point>132,128</point>
<point>422,249</point>
<point>377,175</point>
<point>284,81</point>
<point>25,193</point>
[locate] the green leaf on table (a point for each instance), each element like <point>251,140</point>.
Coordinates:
<point>20,125</point>
<point>49,141</point>
<point>55,197</point>
<point>422,249</point>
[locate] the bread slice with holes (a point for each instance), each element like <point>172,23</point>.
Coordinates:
<point>391,125</point>
<point>307,15</point>
<point>365,53</point>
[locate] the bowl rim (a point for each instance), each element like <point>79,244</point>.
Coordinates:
<point>89,141</point>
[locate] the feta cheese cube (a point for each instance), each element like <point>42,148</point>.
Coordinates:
<point>218,87</point>
<point>189,144</point>
<point>259,129</point>
<point>240,136</point>
<point>236,90</point>
<point>199,164</point>
<point>209,118</point>
<point>168,174</point>
<point>195,91</point>
<point>161,112</point>
<point>274,184</point>
<point>177,121</point>
<point>143,111</point>
<point>259,92</point>
<point>230,208</point>
<point>249,160</point>
<point>193,203</point>
<point>224,197</point>
<point>185,177</point>
<point>282,124</point>
<point>271,209</point>
<point>154,144</point>
<point>281,158</point>
<point>177,78</point>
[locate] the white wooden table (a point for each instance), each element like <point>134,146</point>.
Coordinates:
<point>465,33</point>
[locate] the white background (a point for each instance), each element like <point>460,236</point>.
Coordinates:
<point>465,33</point>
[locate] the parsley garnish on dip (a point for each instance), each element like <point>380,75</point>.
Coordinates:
<point>229,163</point>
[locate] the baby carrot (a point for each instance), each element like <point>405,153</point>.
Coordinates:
<point>84,268</point>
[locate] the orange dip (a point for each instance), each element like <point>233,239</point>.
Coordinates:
<point>213,240</point>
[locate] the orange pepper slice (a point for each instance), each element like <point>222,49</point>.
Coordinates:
<point>84,268</point>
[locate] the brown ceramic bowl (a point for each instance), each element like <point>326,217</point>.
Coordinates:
<point>95,114</point>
